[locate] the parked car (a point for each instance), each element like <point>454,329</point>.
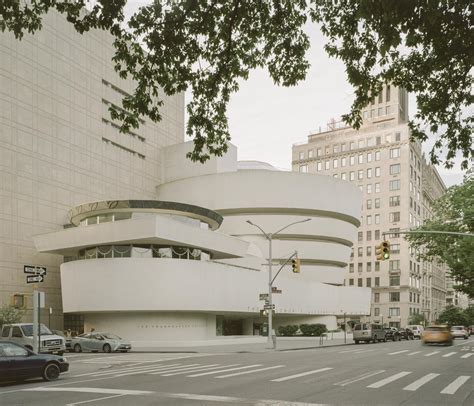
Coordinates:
<point>459,332</point>
<point>95,342</point>
<point>19,363</point>
<point>406,334</point>
<point>22,333</point>
<point>417,330</point>
<point>437,335</point>
<point>368,332</point>
<point>392,333</point>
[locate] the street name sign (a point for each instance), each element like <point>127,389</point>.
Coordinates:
<point>263,296</point>
<point>35,270</point>
<point>34,278</point>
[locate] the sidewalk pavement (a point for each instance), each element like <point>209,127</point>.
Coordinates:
<point>282,344</point>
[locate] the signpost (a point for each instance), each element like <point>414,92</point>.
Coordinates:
<point>36,274</point>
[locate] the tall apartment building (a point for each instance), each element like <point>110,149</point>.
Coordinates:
<point>399,188</point>
<point>59,147</point>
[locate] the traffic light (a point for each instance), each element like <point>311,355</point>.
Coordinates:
<point>382,251</point>
<point>296,264</point>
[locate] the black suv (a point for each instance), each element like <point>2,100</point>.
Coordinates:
<point>406,334</point>
<point>391,333</point>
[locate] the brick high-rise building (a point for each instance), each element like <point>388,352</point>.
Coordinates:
<point>399,188</point>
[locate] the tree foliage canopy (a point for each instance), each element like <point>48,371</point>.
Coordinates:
<point>209,46</point>
<point>455,316</point>
<point>453,212</point>
<point>10,314</point>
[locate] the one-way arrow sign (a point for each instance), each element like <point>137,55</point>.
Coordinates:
<point>34,278</point>
<point>36,270</point>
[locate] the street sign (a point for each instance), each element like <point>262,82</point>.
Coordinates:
<point>263,296</point>
<point>265,312</point>
<point>36,270</point>
<point>34,278</point>
<point>267,306</point>
<point>275,290</point>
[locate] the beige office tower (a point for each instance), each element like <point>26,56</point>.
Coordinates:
<point>60,148</point>
<point>399,189</point>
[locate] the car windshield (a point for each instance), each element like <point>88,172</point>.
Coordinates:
<point>28,330</point>
<point>111,336</point>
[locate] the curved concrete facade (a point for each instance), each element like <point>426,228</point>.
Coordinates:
<point>158,277</point>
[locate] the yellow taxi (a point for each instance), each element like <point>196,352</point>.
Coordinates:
<point>437,335</point>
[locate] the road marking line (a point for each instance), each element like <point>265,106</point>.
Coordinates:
<point>229,399</point>
<point>385,381</point>
<point>397,352</point>
<point>186,370</point>
<point>148,370</point>
<point>358,378</point>
<point>90,390</point>
<point>415,385</point>
<point>449,354</point>
<point>127,369</point>
<point>432,353</point>
<point>468,355</point>
<point>342,352</point>
<point>362,351</point>
<point>137,371</point>
<point>413,353</point>
<point>198,369</point>
<point>94,400</point>
<point>225,370</point>
<point>455,385</point>
<point>287,378</point>
<point>250,372</point>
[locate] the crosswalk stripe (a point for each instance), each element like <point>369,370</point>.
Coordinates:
<point>385,381</point>
<point>250,372</point>
<point>413,353</point>
<point>196,370</point>
<point>148,370</point>
<point>359,378</point>
<point>108,371</point>
<point>467,355</point>
<point>455,385</point>
<point>415,385</point>
<point>432,353</point>
<point>397,352</point>
<point>287,378</point>
<point>186,370</point>
<point>449,354</point>
<point>225,370</point>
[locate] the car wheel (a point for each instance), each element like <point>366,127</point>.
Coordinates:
<point>77,348</point>
<point>51,372</point>
<point>107,348</point>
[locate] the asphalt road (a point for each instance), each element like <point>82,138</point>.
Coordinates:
<point>395,373</point>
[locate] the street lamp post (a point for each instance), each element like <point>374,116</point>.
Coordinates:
<point>269,236</point>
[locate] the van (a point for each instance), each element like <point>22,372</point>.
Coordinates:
<point>417,330</point>
<point>368,332</point>
<point>22,333</point>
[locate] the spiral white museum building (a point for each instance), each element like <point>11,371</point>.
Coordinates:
<point>188,266</point>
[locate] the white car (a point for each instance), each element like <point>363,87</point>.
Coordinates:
<point>96,342</point>
<point>459,332</point>
<point>417,330</point>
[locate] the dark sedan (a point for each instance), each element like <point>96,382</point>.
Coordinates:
<point>19,363</point>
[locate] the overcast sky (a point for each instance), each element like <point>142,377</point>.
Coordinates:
<point>266,120</point>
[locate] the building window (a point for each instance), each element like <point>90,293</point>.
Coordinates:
<point>377,266</point>
<point>368,220</point>
<point>352,145</point>
<point>378,140</point>
<point>335,149</point>
<point>369,266</point>
<point>394,169</point>
<point>368,251</point>
<point>319,166</point>
<point>343,147</point>
<point>351,282</point>
<point>361,159</point>
<point>377,155</point>
<point>360,251</point>
<point>351,268</point>
<point>394,296</point>
<point>369,173</point>
<point>396,232</point>
<point>377,188</point>
<point>302,155</point>
<point>394,184</point>
<point>376,311</point>
<point>334,163</point>
<point>395,248</point>
<point>369,157</point>
<point>343,161</point>
<point>377,219</point>
<point>369,236</point>
<point>381,96</point>
<point>376,281</point>
<point>377,235</point>
<point>304,168</point>
<point>359,282</point>
<point>377,172</point>
<point>388,138</point>
<point>394,201</point>
<point>369,204</point>
<point>394,217</point>
<point>376,295</point>
<point>394,265</point>
<point>368,282</point>
<point>377,203</point>
<point>360,236</point>
<point>397,137</point>
<point>351,160</point>
<point>387,94</point>
<point>343,176</point>
<point>18,301</point>
<point>394,281</point>
<point>369,188</point>
<point>394,152</point>
<point>359,267</point>
<point>326,165</point>
<point>360,174</point>
<point>352,175</point>
<point>319,152</point>
<point>394,311</point>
